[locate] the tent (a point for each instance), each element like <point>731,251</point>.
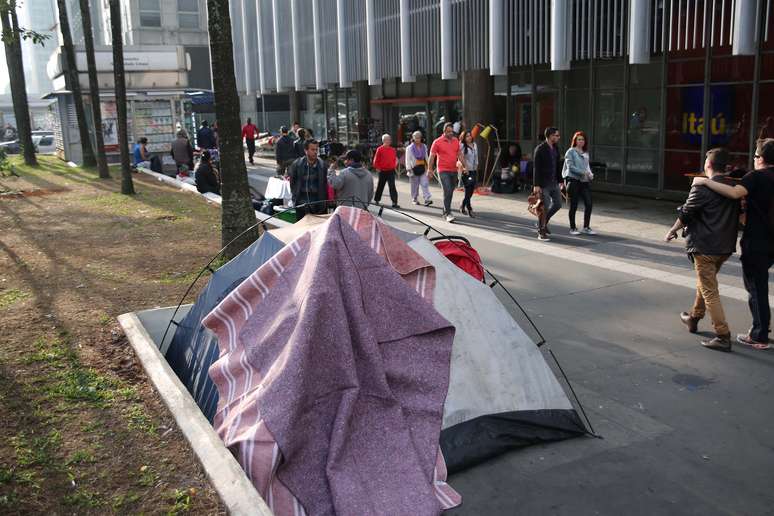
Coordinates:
<point>501,395</point>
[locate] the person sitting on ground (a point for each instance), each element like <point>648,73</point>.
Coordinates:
<point>206,179</point>
<point>757,243</point>
<point>353,186</point>
<point>205,137</point>
<point>711,222</point>
<point>141,155</point>
<point>284,151</point>
<point>182,153</point>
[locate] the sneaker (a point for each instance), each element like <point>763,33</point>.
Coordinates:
<point>450,218</point>
<point>396,206</point>
<point>428,202</point>
<point>719,343</point>
<point>691,322</point>
<point>414,201</point>
<point>543,237</point>
<point>574,232</point>
<point>744,339</point>
<point>589,231</point>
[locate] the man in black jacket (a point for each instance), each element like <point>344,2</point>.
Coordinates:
<point>284,152</point>
<point>547,167</point>
<point>711,222</point>
<point>757,239</point>
<point>309,181</point>
<point>206,179</point>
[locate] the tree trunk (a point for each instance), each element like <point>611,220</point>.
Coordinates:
<point>237,211</point>
<point>127,186</point>
<point>96,111</point>
<point>13,58</point>
<point>75,87</point>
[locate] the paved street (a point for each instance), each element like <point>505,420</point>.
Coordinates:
<point>685,430</point>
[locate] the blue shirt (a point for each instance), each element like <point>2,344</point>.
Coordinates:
<point>137,154</point>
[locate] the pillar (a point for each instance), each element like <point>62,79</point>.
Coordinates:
<point>497,65</point>
<point>560,35</point>
<point>744,28</point>
<point>639,32</point>
<point>295,106</point>
<point>405,42</point>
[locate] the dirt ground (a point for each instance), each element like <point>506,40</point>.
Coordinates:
<point>83,430</point>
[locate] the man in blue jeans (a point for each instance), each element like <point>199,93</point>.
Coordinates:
<point>547,167</point>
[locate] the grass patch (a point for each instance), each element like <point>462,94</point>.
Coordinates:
<point>81,457</point>
<point>118,502</point>
<point>182,501</point>
<point>32,450</point>
<point>84,498</point>
<point>148,477</point>
<point>10,297</point>
<point>140,420</point>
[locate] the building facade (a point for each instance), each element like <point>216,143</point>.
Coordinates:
<point>653,83</point>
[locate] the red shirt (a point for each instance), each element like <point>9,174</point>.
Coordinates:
<point>447,151</point>
<point>249,131</point>
<point>385,158</point>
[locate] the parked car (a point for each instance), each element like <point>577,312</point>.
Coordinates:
<point>44,144</point>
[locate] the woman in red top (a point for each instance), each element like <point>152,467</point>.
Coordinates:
<point>385,162</point>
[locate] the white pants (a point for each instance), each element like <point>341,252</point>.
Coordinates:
<point>416,182</point>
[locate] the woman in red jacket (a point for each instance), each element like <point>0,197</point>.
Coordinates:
<point>385,162</point>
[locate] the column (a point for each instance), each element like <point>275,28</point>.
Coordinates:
<point>560,39</point>
<point>405,42</point>
<point>344,81</point>
<point>318,72</point>
<point>373,70</point>
<point>447,57</point>
<point>639,32</point>
<point>497,65</point>
<point>744,28</point>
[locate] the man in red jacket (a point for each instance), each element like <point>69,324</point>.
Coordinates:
<point>249,134</point>
<point>385,162</point>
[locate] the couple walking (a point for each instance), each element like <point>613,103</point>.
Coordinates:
<point>552,176</point>
<point>710,220</point>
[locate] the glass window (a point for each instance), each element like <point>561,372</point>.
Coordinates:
<point>421,87</point>
<point>404,89</point>
<point>686,72</point>
<point>376,92</point>
<point>330,99</point>
<point>609,76</point>
<point>685,119</point>
<point>676,165</point>
<point>150,13</point>
<point>610,159</point>
<point>577,112</point>
<point>523,117</point>
<point>578,78</point>
<point>645,75</point>
<point>437,86</point>
<point>642,167</point>
<point>546,79</point>
<point>354,125</point>
<point>643,118</point>
<point>767,63</point>
<point>313,117</point>
<point>608,117</point>
<point>730,122</point>
<point>390,88</point>
<point>188,14</point>
<point>454,87</point>
<point>733,69</point>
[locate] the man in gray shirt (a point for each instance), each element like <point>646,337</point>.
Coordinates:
<point>353,186</point>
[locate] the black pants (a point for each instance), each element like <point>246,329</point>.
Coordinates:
<point>577,190</point>
<point>386,176</point>
<point>250,148</point>
<point>755,271</point>
<point>469,182</point>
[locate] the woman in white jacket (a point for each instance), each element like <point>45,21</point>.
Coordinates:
<point>470,166</point>
<point>416,166</point>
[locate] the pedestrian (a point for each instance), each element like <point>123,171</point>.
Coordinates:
<point>298,145</point>
<point>469,169</point>
<point>309,181</point>
<point>205,137</point>
<point>757,243</point>
<point>386,162</point>
<point>249,134</point>
<point>206,179</point>
<point>284,151</point>
<point>445,153</point>
<point>547,179</point>
<point>354,185</point>
<point>141,155</point>
<point>416,168</point>
<point>577,175</point>
<point>182,153</point>
<point>710,222</point>
<point>294,130</point>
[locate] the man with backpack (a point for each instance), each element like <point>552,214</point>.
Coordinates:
<point>757,239</point>
<point>711,222</point>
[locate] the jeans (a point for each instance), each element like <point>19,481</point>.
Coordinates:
<point>448,182</point>
<point>250,148</point>
<point>469,183</point>
<point>755,271</point>
<point>577,190</point>
<point>283,166</point>
<point>416,182</point>
<point>552,199</point>
<point>707,294</point>
<point>386,176</point>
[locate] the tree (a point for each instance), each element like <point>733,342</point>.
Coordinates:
<point>127,185</point>
<point>237,210</point>
<point>71,74</point>
<point>88,38</point>
<point>12,36</point>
